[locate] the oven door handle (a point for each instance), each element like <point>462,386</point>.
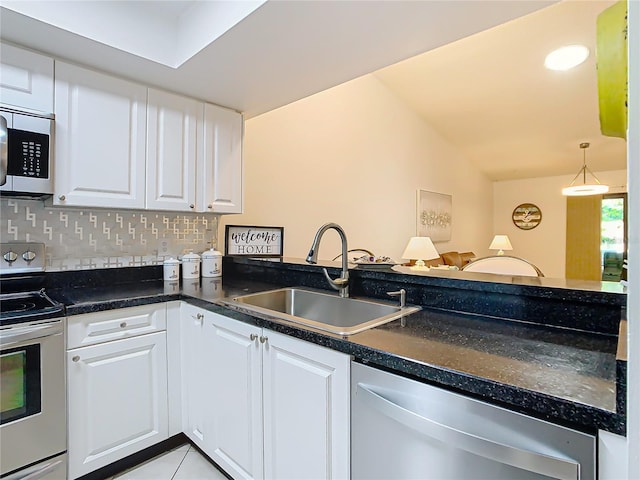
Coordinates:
<point>4,152</point>
<point>35,472</point>
<point>20,335</point>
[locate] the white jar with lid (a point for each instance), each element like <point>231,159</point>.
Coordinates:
<point>191,265</point>
<point>211,263</point>
<point>171,270</point>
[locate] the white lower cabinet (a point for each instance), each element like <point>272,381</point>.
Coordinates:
<point>276,407</point>
<point>117,391</point>
<point>612,456</point>
<point>306,410</point>
<point>195,386</point>
<point>233,425</point>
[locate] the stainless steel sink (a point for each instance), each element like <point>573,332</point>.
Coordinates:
<point>344,316</point>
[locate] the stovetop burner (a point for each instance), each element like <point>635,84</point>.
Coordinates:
<point>22,307</point>
<point>17,305</point>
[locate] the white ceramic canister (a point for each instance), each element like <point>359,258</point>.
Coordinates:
<point>191,265</point>
<point>171,270</point>
<point>211,263</point>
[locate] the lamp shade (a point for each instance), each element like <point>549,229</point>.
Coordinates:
<point>500,243</point>
<point>420,248</point>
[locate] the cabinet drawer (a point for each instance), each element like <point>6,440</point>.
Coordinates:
<point>93,328</point>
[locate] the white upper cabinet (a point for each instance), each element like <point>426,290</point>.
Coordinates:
<point>220,178</point>
<point>122,145</point>
<point>173,126</point>
<point>26,79</point>
<point>99,139</point>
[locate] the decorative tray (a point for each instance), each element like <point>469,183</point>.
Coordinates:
<point>370,262</point>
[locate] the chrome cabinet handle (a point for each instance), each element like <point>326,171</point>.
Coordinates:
<point>263,339</point>
<point>75,358</point>
<point>543,464</point>
<point>123,324</point>
<point>62,198</point>
<point>253,337</point>
<point>209,206</point>
<point>192,206</point>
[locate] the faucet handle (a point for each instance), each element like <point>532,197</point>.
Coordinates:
<point>338,283</point>
<point>402,293</point>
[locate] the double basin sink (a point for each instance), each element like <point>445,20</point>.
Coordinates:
<point>323,311</point>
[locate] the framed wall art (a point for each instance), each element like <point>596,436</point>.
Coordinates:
<point>434,215</point>
<point>526,216</point>
<point>254,241</point>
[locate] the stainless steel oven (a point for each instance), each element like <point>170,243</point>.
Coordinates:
<point>32,373</point>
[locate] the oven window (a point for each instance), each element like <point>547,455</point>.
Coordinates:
<point>19,383</point>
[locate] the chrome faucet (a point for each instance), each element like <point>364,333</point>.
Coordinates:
<point>341,284</point>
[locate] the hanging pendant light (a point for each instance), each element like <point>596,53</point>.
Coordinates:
<point>584,188</point>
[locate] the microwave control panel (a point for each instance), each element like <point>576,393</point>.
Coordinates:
<point>29,154</point>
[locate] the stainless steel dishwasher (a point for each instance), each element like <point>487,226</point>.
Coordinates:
<point>404,429</point>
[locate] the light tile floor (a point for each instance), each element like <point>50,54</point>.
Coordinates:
<point>181,463</point>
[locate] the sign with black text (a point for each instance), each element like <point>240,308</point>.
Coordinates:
<point>254,241</point>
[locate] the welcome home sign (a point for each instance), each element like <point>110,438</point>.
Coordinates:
<point>245,240</point>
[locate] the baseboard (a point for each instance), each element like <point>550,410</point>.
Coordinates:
<point>136,458</point>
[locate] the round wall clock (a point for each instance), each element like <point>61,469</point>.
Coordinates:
<point>526,216</point>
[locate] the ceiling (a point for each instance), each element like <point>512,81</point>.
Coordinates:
<point>486,92</point>
<point>490,95</point>
<point>271,54</point>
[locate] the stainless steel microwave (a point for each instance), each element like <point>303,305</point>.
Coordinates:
<point>25,152</point>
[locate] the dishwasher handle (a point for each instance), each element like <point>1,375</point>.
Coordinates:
<point>539,463</point>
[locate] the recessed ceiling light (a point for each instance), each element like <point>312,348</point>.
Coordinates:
<point>567,57</point>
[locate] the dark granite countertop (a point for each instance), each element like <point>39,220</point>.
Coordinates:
<point>558,374</point>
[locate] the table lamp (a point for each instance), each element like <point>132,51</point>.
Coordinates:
<point>500,243</point>
<point>420,249</point>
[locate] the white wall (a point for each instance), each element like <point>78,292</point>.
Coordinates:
<point>356,155</point>
<point>544,245</point>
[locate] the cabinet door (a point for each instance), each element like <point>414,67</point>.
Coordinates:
<point>234,425</point>
<point>174,368</point>
<point>117,400</point>
<point>194,371</point>
<point>612,456</point>
<point>173,122</point>
<point>26,79</point>
<point>100,139</point>
<point>220,176</point>
<point>306,410</point>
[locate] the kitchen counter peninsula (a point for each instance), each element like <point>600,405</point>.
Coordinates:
<point>569,371</point>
